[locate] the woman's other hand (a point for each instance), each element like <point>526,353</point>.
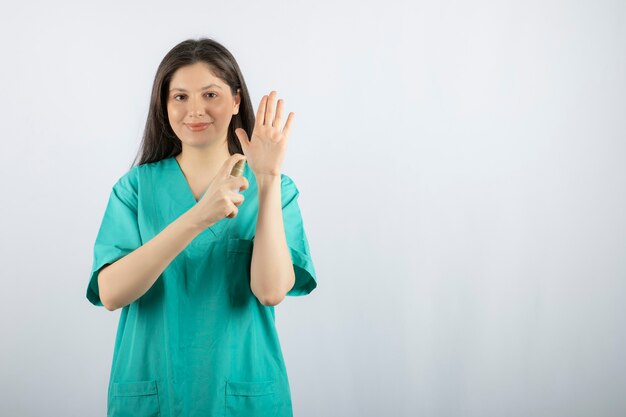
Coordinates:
<point>265,151</point>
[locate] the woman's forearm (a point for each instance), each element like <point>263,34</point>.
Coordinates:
<point>130,277</point>
<point>272,274</point>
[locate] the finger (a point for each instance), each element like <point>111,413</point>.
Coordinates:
<point>228,165</point>
<point>237,199</point>
<point>244,183</point>
<point>271,109</point>
<point>243,139</point>
<point>237,183</point>
<point>260,113</point>
<point>279,113</point>
<point>287,127</point>
<point>234,212</point>
<point>240,183</point>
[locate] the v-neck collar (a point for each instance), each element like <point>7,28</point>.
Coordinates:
<point>184,195</point>
<point>187,187</point>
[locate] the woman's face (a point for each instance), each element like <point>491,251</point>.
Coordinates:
<point>196,96</point>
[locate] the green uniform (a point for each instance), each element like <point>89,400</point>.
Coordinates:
<point>198,342</point>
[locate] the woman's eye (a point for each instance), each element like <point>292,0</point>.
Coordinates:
<point>211,95</point>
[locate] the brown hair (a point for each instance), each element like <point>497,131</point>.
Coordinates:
<point>159,140</point>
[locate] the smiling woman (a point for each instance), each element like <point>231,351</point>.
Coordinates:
<point>191,76</point>
<point>194,107</point>
<point>196,267</point>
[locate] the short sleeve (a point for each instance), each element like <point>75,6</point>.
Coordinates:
<point>306,279</point>
<point>118,234</point>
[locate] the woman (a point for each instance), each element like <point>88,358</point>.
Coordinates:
<point>196,258</point>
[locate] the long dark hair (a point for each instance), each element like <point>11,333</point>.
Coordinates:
<point>159,140</point>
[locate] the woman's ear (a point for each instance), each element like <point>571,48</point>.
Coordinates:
<point>237,101</point>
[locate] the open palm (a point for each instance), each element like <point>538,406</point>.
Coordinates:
<point>265,151</point>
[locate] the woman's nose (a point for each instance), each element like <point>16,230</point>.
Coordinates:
<point>197,107</point>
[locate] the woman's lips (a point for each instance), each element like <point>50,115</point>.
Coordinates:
<point>196,127</point>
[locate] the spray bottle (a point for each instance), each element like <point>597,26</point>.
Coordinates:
<point>237,171</point>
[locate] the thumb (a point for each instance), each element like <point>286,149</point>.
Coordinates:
<point>230,163</point>
<point>243,139</point>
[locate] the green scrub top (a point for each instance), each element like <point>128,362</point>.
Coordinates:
<point>198,342</point>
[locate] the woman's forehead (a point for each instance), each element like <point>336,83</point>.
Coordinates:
<point>198,76</point>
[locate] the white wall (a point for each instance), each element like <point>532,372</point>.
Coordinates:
<point>471,261</point>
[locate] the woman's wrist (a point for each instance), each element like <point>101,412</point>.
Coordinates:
<point>192,221</point>
<point>264,180</point>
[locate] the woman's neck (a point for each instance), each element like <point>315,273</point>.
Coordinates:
<point>202,162</point>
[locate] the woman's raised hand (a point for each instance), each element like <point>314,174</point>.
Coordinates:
<point>265,151</point>
<point>219,199</point>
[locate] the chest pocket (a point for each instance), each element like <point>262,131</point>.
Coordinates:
<point>247,399</point>
<point>239,261</point>
<point>134,399</point>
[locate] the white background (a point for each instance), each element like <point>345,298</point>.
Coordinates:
<point>463,187</point>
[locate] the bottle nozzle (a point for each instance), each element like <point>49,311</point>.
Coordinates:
<point>237,170</point>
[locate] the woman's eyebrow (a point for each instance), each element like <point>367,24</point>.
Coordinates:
<point>203,88</point>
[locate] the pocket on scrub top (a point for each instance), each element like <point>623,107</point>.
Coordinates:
<point>243,246</point>
<point>136,399</point>
<point>251,399</point>
<point>239,258</point>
